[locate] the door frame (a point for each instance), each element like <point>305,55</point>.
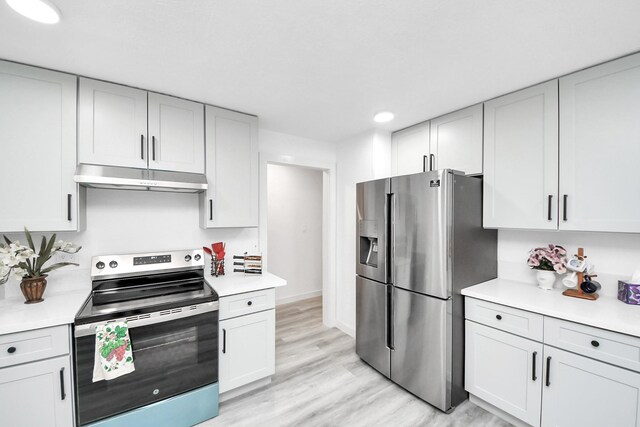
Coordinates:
<point>329,220</point>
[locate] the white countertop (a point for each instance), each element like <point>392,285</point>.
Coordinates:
<point>239,283</point>
<point>605,312</point>
<point>58,308</point>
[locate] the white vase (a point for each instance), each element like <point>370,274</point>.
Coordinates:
<point>546,279</point>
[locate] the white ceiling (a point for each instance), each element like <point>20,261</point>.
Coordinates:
<point>322,68</point>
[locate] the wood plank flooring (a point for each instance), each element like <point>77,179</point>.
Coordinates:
<point>320,381</point>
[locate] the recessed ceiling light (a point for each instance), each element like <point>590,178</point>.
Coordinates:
<point>39,10</point>
<point>383,117</point>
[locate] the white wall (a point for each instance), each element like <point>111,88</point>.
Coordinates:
<point>295,230</point>
<point>361,158</point>
<point>295,147</point>
<point>139,221</point>
<point>615,255</point>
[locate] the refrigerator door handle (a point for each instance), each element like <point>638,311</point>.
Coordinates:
<point>391,245</point>
<point>389,317</point>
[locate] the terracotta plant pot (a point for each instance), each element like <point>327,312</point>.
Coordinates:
<point>33,288</point>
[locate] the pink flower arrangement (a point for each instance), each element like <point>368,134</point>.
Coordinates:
<point>551,258</point>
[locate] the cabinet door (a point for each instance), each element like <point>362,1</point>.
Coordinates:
<point>504,370</point>
<point>584,392</point>
<point>456,140</point>
<point>176,134</point>
<point>38,146</point>
<point>37,394</point>
<point>410,150</point>
<point>521,159</point>
<point>600,147</point>
<point>232,170</point>
<point>247,352</point>
<point>112,125</point>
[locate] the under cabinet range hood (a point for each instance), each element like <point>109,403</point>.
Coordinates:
<point>139,179</point>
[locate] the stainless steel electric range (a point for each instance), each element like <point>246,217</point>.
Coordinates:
<point>172,316</point>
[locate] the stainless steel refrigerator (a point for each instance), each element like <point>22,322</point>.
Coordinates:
<point>420,241</point>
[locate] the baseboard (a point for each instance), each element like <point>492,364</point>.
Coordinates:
<point>299,297</point>
<point>346,329</point>
<point>497,411</point>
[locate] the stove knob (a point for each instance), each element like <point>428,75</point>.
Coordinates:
<point>100,265</point>
<point>187,258</point>
<point>113,264</point>
<point>197,257</point>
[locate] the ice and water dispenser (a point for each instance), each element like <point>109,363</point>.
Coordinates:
<point>368,232</point>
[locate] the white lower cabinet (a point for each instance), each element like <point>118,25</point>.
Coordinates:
<point>247,349</point>
<point>504,370</point>
<point>583,392</point>
<point>35,379</point>
<point>542,385</point>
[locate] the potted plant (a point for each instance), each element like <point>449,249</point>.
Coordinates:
<point>28,265</point>
<point>548,261</point>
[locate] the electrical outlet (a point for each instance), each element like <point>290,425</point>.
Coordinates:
<point>65,257</point>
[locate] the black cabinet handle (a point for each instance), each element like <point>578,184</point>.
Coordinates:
<point>424,163</point>
<point>11,350</point>
<point>432,161</point>
<point>142,147</point>
<point>533,366</point>
<point>62,392</point>
<point>210,209</point>
<point>549,207</point>
<point>595,343</point>
<point>153,148</point>
<point>564,207</point>
<point>224,341</point>
<point>68,207</point>
<point>249,303</point>
<point>548,380</point>
<point>498,317</point>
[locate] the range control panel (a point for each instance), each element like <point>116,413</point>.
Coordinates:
<point>152,259</point>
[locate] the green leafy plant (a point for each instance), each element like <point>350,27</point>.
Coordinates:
<point>24,261</point>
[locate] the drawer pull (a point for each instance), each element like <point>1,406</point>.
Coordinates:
<point>11,350</point>
<point>249,303</point>
<point>595,343</point>
<point>498,317</point>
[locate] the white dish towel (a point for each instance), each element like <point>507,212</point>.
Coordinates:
<point>114,356</point>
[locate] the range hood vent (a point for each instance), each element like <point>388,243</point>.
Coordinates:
<point>139,179</point>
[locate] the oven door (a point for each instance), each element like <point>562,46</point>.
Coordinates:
<point>172,355</point>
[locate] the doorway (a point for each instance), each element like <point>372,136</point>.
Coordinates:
<point>327,242</point>
<point>294,221</point>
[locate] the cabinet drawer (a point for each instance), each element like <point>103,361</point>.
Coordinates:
<point>513,320</point>
<point>33,345</point>
<point>612,347</point>
<point>250,302</point>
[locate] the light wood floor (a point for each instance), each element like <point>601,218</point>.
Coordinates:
<point>320,381</point>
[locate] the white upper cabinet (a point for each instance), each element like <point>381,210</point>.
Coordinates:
<point>128,127</point>
<point>456,141</point>
<point>521,159</point>
<point>232,170</point>
<point>38,146</point>
<point>176,134</point>
<point>112,124</point>
<point>600,147</point>
<point>410,150</point>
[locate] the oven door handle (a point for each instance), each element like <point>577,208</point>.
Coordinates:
<point>150,318</point>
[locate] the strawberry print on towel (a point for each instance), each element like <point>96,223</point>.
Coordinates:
<point>114,356</point>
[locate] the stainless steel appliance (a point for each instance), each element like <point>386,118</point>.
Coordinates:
<point>420,241</point>
<point>172,315</point>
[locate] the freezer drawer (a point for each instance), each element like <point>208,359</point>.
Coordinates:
<point>420,360</point>
<point>421,227</point>
<point>372,229</point>
<point>371,323</point>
